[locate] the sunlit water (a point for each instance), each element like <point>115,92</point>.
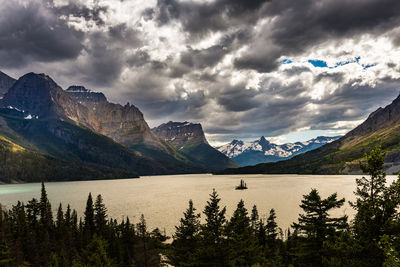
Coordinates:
<point>163,199</point>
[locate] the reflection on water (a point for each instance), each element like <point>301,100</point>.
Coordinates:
<point>162,199</point>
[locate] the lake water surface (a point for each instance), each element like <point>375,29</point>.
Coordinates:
<point>163,199</point>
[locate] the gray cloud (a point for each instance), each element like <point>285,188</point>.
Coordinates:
<point>219,14</point>
<point>81,11</point>
<point>31,32</point>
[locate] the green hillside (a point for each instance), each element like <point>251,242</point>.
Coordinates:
<point>18,164</point>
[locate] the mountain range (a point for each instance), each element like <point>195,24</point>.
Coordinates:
<point>262,151</point>
<point>78,134</point>
<point>382,127</point>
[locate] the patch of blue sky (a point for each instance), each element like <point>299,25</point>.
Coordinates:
<point>318,63</point>
<point>368,66</point>
<point>286,61</point>
<point>322,64</point>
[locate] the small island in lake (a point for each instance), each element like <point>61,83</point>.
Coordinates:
<point>242,185</point>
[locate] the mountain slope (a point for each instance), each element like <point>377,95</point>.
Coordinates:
<point>262,151</point>
<point>382,127</point>
<point>18,164</point>
<point>5,83</point>
<point>190,140</point>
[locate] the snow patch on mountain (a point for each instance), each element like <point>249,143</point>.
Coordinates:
<point>272,152</point>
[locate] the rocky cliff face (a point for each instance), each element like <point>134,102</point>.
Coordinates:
<point>5,83</point>
<point>124,124</point>
<point>181,133</point>
<point>189,139</point>
<point>83,95</point>
<point>38,96</point>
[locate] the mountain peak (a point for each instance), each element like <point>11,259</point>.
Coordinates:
<point>6,82</point>
<point>181,133</point>
<point>77,88</point>
<point>263,141</point>
<point>83,95</point>
<point>39,96</point>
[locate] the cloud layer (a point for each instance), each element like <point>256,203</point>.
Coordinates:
<point>241,68</point>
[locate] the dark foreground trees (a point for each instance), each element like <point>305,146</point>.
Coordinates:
<point>31,236</point>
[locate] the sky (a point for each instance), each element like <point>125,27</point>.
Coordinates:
<point>287,70</point>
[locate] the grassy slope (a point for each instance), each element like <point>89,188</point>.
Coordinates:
<point>19,164</point>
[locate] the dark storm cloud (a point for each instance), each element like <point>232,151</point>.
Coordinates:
<point>239,99</point>
<point>201,59</point>
<point>201,18</point>
<point>81,11</point>
<point>106,58</point>
<point>30,32</point>
<point>138,59</point>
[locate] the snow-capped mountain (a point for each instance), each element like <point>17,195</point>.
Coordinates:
<point>261,150</point>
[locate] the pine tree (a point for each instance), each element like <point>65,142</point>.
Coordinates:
<point>60,217</point>
<point>100,216</point>
<point>143,235</point>
<point>46,215</point>
<point>255,219</point>
<point>95,254</point>
<point>213,250</point>
<point>89,216</point>
<point>243,247</point>
<point>377,207</point>
<point>271,228</point>
<point>33,212</point>
<point>68,219</point>
<point>316,225</point>
<point>186,239</point>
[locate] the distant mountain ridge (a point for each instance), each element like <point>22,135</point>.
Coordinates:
<point>189,138</point>
<point>262,151</point>
<point>382,127</point>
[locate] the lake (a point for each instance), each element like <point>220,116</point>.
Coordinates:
<point>163,199</point>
